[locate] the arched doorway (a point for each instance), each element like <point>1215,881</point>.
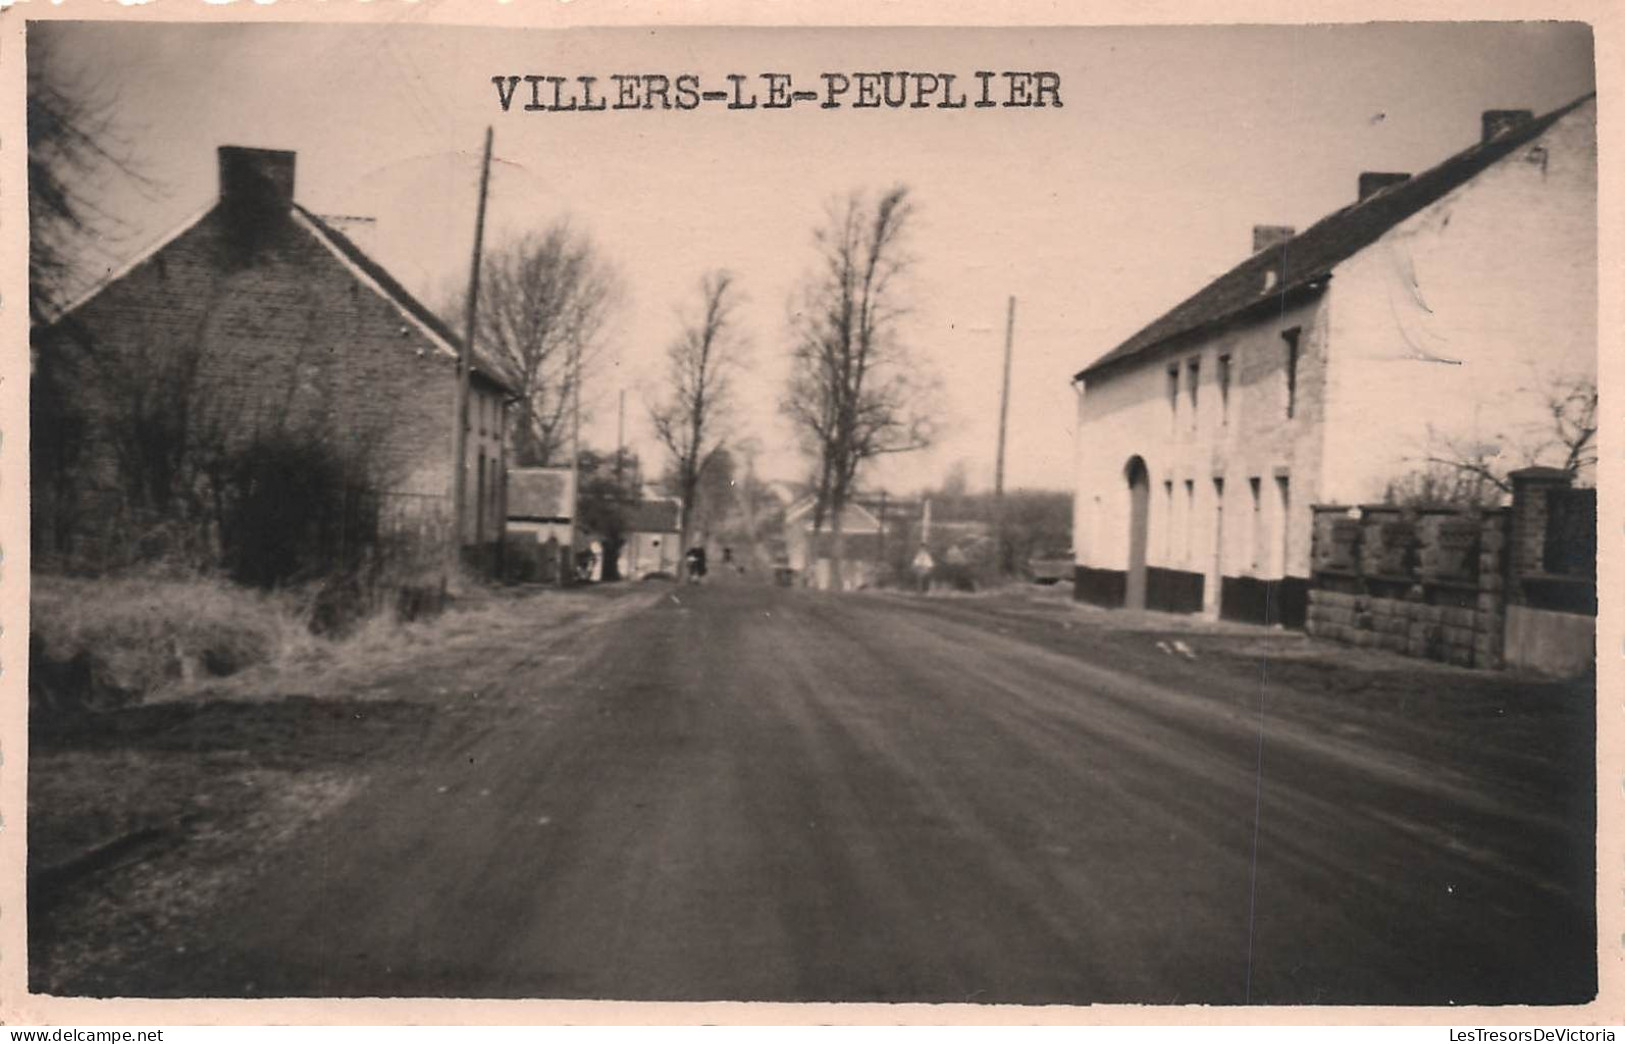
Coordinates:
<point>1139,517</point>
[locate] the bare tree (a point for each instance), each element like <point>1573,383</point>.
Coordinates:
<point>691,420</point>
<point>1463,471</point>
<point>1571,403</point>
<point>73,147</point>
<point>855,393</point>
<point>544,303</point>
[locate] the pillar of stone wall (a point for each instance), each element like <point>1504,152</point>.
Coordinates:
<point>1490,643</point>
<point>1530,486</point>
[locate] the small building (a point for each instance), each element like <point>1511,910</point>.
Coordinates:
<point>811,554</point>
<point>653,534</point>
<point>541,506</point>
<point>256,316</point>
<point>1427,313</point>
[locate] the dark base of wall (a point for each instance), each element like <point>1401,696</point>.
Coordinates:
<point>1107,588</point>
<point>483,559</point>
<point>1560,594</point>
<point>1250,600</point>
<point>1173,590</point>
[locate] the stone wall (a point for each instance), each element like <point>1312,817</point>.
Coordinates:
<point>1422,583</point>
<point>1476,588</point>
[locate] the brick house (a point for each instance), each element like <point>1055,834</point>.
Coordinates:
<point>1330,362</point>
<point>255,315</point>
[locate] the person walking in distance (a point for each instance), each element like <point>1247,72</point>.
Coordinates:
<point>696,564</point>
<point>923,565</point>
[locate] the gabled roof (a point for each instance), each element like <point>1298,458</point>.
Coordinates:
<point>368,270</point>
<point>115,273</point>
<point>855,518</point>
<point>386,284</point>
<point>652,516</point>
<point>1306,260</point>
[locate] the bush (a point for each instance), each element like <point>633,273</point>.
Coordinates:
<point>108,642</point>
<point>292,508</point>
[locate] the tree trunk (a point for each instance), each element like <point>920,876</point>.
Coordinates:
<point>612,559</point>
<point>837,550</point>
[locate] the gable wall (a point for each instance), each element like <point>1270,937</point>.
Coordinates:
<point>1448,328</point>
<point>282,334</point>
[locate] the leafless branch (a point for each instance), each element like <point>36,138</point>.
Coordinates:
<point>545,301</point>
<point>855,393</point>
<point>692,417</point>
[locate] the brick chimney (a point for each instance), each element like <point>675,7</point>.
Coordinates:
<point>1374,181</point>
<point>256,195</point>
<point>257,177</point>
<point>1498,122</point>
<point>1266,236</point>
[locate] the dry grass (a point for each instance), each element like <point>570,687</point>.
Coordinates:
<point>132,636</point>
<point>475,642</point>
<point>137,637</point>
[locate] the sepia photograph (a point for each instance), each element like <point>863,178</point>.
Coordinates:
<point>1081,515</point>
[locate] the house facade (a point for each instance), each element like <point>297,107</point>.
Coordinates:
<point>541,506</point>
<point>258,316</point>
<point>653,538</point>
<point>1423,322</point>
<point>811,554</point>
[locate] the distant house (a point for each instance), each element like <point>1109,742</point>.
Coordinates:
<point>255,316</point>
<point>652,535</point>
<point>811,555</point>
<point>1331,362</point>
<point>541,503</point>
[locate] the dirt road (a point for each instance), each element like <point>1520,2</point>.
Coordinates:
<point>751,793</point>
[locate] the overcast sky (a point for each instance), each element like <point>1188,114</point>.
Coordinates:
<point>1098,216</point>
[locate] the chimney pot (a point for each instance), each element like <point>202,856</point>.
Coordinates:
<point>256,177</point>
<point>1375,181</point>
<point>1266,236</point>
<point>1503,121</point>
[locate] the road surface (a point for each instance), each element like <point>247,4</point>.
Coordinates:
<point>749,793</point>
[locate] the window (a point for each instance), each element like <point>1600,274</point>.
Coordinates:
<point>1190,517</point>
<point>1168,522</point>
<point>1291,370</point>
<point>1283,489</point>
<point>1218,528</point>
<point>1173,397</point>
<point>1224,389</point>
<point>479,504</point>
<point>1256,534</point>
<point>1193,384</point>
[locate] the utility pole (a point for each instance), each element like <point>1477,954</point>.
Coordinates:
<point>567,574</point>
<point>1004,419</point>
<point>882,551</point>
<point>465,353</point>
<point>620,441</point>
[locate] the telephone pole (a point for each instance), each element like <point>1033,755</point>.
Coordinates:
<point>1004,419</point>
<point>465,354</point>
<point>575,467</point>
<point>620,441</point>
